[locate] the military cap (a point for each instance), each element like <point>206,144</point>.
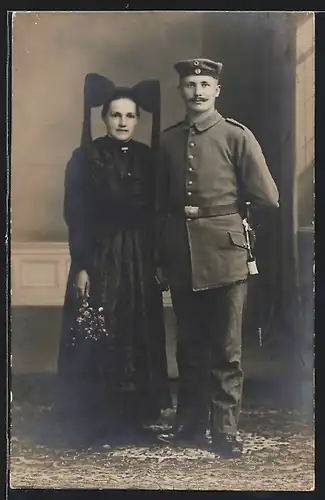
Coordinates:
<point>198,66</point>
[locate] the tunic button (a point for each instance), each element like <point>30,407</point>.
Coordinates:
<point>191,169</point>
<point>190,182</point>
<point>192,144</point>
<point>190,157</point>
<point>189,193</point>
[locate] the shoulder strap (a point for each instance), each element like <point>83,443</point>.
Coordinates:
<point>236,123</point>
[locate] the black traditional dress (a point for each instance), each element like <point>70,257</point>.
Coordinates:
<point>121,378</point>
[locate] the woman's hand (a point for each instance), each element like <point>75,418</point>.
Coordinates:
<point>82,284</point>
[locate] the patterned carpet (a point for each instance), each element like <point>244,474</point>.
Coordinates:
<point>278,446</point>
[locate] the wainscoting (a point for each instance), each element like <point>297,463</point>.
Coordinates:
<point>39,273</point>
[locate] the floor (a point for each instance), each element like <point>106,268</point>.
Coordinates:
<point>278,446</point>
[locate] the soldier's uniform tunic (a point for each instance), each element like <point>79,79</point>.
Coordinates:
<point>214,164</point>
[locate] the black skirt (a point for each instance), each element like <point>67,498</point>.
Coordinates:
<point>120,377</point>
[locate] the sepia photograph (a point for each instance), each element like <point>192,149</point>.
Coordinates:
<point>162,250</point>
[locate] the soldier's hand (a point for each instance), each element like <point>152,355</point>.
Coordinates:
<point>82,284</point>
<point>161,280</point>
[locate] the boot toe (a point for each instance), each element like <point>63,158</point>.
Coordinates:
<point>227,446</point>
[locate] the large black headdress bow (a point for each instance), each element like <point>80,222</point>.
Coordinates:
<point>99,90</point>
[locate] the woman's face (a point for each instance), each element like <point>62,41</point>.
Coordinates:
<point>121,118</point>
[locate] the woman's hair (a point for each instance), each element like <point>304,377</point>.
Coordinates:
<point>120,93</point>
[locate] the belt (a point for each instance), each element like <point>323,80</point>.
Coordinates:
<point>194,212</point>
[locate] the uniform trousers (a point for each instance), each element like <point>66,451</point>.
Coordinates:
<point>209,349</point>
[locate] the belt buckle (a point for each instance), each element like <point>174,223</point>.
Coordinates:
<point>191,211</point>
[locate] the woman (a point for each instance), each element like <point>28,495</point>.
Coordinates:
<point>112,376</point>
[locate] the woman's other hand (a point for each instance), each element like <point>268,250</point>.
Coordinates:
<point>161,280</point>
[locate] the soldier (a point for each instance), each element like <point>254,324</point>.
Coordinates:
<point>208,166</point>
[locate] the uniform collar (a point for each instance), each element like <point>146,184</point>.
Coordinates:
<point>205,123</point>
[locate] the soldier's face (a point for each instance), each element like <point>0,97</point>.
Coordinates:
<point>199,92</point>
<point>121,119</point>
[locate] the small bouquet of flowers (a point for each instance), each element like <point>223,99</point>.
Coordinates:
<point>90,321</point>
